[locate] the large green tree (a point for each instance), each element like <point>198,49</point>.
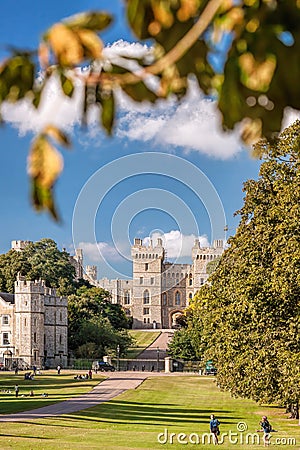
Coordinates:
<point>96,326</point>
<point>256,43</point>
<point>38,260</point>
<point>249,312</point>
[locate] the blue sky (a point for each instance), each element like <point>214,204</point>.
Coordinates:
<point>187,131</point>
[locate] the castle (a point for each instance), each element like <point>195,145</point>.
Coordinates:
<point>34,326</point>
<point>34,320</point>
<point>159,291</point>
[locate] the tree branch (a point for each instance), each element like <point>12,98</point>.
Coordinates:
<point>171,57</point>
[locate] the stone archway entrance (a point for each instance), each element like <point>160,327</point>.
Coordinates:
<point>174,315</point>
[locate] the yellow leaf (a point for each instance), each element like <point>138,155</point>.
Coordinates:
<point>66,45</point>
<point>57,134</point>
<point>251,130</point>
<point>162,13</point>
<point>45,163</point>
<point>90,42</point>
<point>257,75</point>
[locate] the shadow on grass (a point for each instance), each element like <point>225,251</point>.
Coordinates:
<point>150,414</point>
<point>23,437</point>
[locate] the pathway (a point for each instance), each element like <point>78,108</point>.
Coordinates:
<point>117,383</point>
<point>161,342</point>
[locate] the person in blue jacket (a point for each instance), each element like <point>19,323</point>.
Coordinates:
<point>214,428</point>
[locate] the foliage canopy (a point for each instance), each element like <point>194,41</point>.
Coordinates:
<point>248,314</point>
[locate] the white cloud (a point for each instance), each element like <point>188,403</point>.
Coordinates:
<point>290,116</point>
<point>100,251</point>
<point>177,244</point>
<point>194,124</point>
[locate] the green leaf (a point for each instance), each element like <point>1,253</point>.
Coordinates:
<point>93,20</point>
<point>139,92</point>
<point>139,15</point>
<point>42,199</point>
<point>107,111</point>
<point>16,78</point>
<point>67,85</point>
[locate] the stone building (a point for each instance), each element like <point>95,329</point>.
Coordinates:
<point>159,290</point>
<point>33,326</point>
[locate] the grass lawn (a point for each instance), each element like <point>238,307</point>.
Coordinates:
<point>58,387</point>
<point>142,340</point>
<point>134,419</point>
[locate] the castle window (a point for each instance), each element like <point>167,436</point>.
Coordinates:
<point>146,266</point>
<point>190,296</point>
<point>170,301</point>
<point>177,298</point>
<point>143,256</point>
<point>60,339</point>
<point>152,280</point>
<point>5,339</point>
<point>35,355</point>
<point>203,256</point>
<point>201,281</point>
<point>34,338</point>
<point>141,280</point>
<point>197,257</point>
<point>148,320</point>
<point>145,320</point>
<point>127,298</point>
<point>136,256</point>
<point>25,322</point>
<point>60,316</point>
<point>191,280</point>
<point>5,320</point>
<point>146,311</point>
<point>34,322</point>
<point>146,297</point>
<point>164,299</point>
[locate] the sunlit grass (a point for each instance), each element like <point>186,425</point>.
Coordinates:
<point>134,419</point>
<point>142,340</point>
<point>58,387</point>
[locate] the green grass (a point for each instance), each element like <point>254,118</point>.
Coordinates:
<point>58,388</point>
<point>142,340</point>
<point>134,419</point>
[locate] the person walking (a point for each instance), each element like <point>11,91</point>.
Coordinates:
<point>58,370</point>
<point>267,428</point>
<point>214,428</point>
<point>17,390</point>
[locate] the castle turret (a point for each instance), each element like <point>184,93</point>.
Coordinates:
<point>147,270</point>
<point>41,321</point>
<point>29,325</point>
<point>18,246</point>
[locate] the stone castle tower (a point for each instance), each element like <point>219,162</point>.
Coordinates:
<point>147,288</point>
<point>40,333</point>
